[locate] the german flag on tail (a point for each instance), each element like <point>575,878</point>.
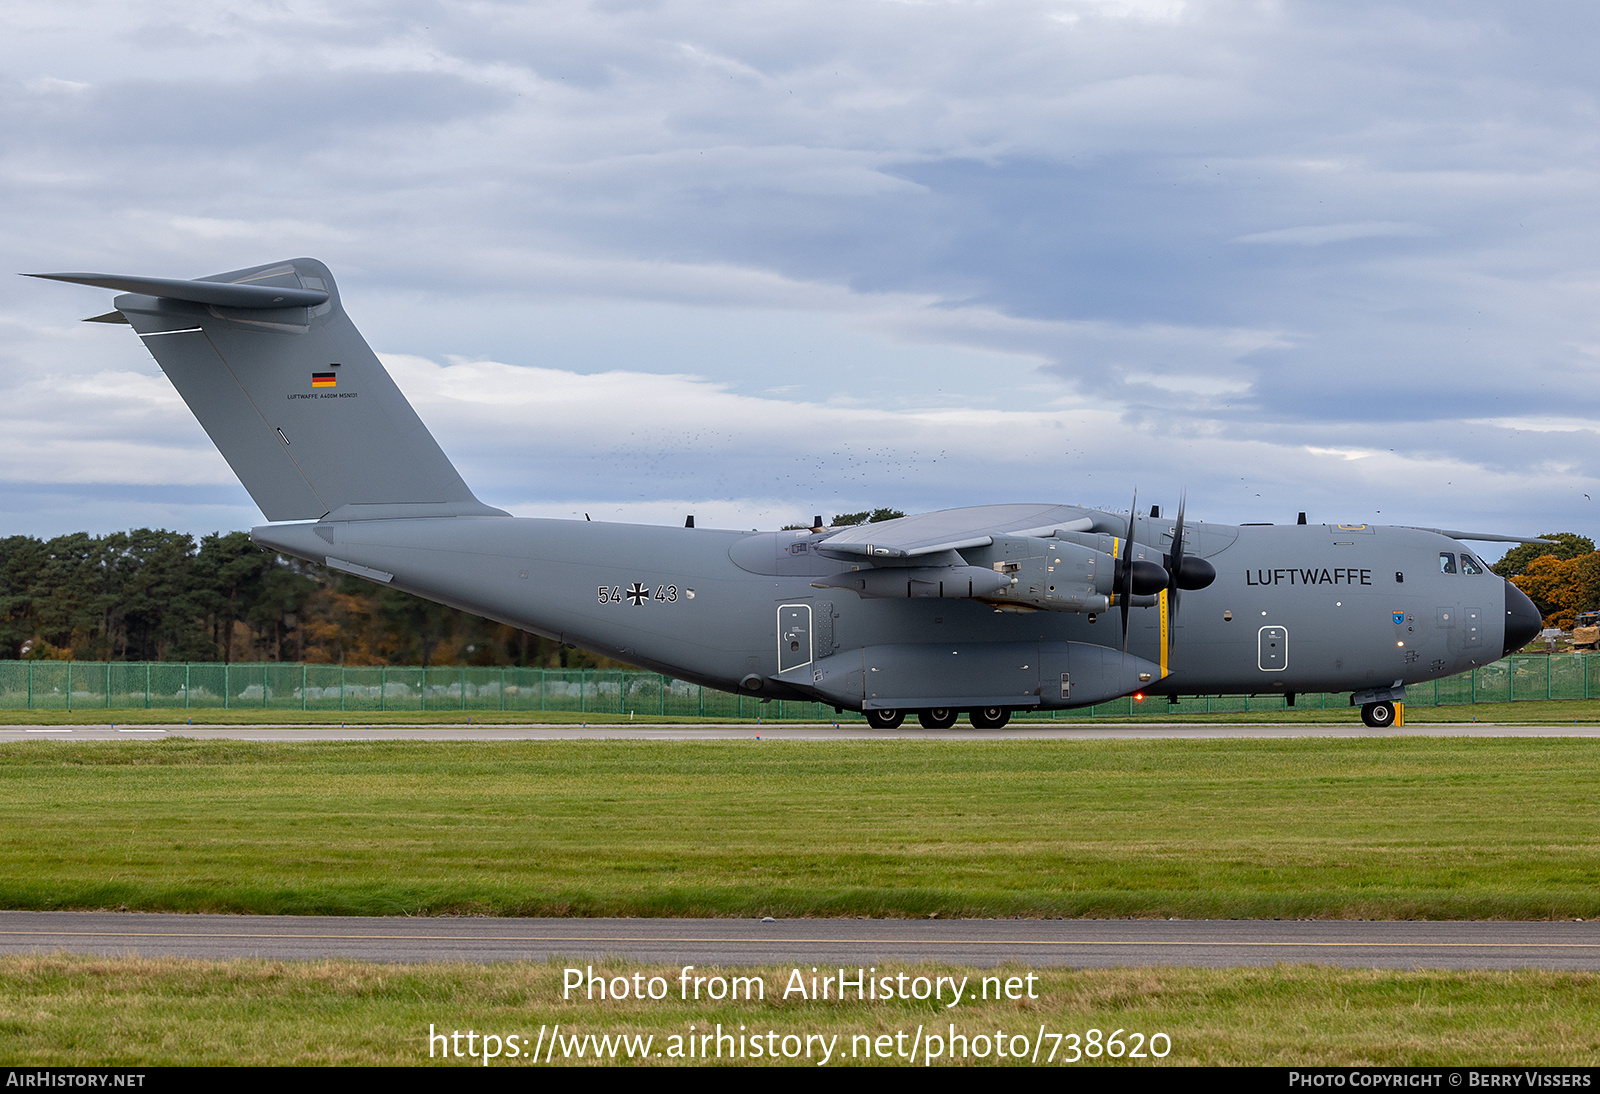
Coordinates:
<point>324,379</point>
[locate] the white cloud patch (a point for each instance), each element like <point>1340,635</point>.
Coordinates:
<point>1315,235</point>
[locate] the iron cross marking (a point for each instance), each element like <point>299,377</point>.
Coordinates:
<point>638,594</point>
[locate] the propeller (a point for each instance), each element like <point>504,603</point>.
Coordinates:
<point>1125,564</point>
<point>1174,563</point>
<point>1182,573</point>
<point>1141,578</point>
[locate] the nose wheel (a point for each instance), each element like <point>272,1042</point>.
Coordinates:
<point>1378,715</point>
<point>885,719</point>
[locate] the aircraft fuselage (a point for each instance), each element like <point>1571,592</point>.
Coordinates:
<point>1293,608</point>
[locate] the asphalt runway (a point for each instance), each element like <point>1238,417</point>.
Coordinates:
<point>786,732</point>
<point>838,942</point>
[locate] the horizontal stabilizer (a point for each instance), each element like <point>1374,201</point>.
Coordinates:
<point>222,294</point>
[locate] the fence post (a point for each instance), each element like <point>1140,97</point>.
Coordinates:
<point>108,681</point>
<point>147,685</point>
<point>663,696</point>
<point>69,685</point>
<point>303,682</point>
<point>383,687</point>
<point>1549,674</point>
<point>186,667</point>
<point>463,687</point>
<point>30,685</point>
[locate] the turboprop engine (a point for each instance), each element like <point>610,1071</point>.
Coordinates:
<point>1024,572</point>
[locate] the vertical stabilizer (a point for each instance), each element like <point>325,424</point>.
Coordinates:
<point>291,394</point>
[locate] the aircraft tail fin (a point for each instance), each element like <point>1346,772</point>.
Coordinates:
<point>291,394</point>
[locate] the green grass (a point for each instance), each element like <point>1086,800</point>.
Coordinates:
<point>1365,827</point>
<point>67,1011</point>
<point>1522,712</point>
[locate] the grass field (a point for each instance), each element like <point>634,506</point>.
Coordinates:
<point>1530,712</point>
<point>95,1011</point>
<point>1367,827</point>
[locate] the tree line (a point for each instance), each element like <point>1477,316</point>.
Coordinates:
<point>153,595</point>
<point>1561,578</point>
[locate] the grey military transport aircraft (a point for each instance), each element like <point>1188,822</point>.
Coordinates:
<point>983,610</point>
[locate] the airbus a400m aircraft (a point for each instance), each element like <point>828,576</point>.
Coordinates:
<point>984,610</point>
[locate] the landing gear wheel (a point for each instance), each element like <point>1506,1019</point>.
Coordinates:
<point>989,717</point>
<point>937,718</point>
<point>885,719</point>
<point>1378,715</point>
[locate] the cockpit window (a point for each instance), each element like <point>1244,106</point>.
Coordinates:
<point>1447,562</point>
<point>1470,565</point>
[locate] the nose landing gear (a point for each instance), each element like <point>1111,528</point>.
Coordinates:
<point>1379,715</point>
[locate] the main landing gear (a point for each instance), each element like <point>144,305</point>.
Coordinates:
<point>1378,715</point>
<point>989,717</point>
<point>940,718</point>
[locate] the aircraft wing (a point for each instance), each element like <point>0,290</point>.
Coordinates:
<point>954,530</point>
<point>1484,537</point>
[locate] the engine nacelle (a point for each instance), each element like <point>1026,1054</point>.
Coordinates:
<point>1023,573</point>
<point>1060,576</point>
<point>903,582</point>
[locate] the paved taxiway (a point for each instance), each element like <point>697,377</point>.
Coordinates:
<point>848,942</point>
<point>786,732</point>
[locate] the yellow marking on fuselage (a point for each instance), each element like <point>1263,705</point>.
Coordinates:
<point>1115,554</point>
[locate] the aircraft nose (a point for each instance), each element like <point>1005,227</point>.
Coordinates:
<point>1523,622</point>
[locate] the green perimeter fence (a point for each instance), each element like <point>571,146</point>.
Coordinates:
<point>122,685</point>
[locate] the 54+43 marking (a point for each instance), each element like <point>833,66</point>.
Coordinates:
<point>638,595</point>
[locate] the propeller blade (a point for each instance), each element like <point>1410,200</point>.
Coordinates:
<point>1174,563</point>
<point>1126,592</point>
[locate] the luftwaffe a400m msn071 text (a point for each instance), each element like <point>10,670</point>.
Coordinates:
<point>984,610</point>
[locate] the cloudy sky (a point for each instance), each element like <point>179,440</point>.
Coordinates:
<point>762,261</point>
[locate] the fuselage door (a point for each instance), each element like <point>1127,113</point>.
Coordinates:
<point>1274,654</point>
<point>794,636</point>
